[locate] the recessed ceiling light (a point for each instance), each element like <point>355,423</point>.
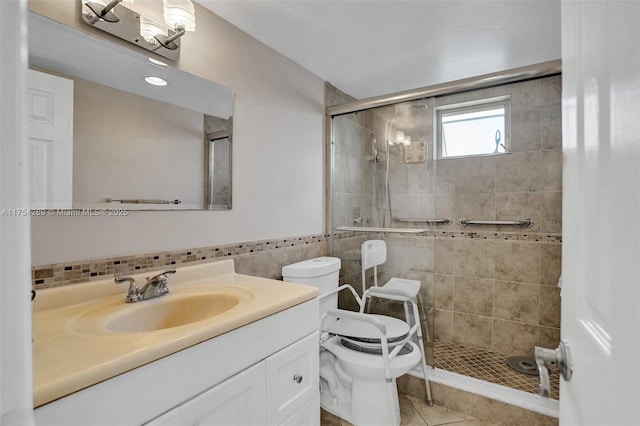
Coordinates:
<point>157,62</point>
<point>156,81</point>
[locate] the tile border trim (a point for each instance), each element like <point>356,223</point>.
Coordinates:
<point>59,274</point>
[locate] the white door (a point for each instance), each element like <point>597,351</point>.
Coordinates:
<point>50,111</point>
<point>601,211</point>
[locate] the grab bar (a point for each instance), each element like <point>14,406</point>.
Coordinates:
<point>419,219</point>
<point>390,230</point>
<point>524,222</point>
<point>141,201</point>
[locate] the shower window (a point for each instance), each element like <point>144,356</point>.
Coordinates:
<point>474,128</point>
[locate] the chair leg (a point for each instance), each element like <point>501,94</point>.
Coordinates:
<point>420,343</point>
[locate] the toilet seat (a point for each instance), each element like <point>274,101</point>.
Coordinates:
<point>362,334</point>
<point>371,366</point>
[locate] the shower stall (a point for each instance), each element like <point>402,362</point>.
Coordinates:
<point>481,230</point>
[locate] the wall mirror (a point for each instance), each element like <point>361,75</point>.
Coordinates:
<point>101,137</point>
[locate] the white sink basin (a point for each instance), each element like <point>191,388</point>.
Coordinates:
<point>165,312</point>
<point>170,313</point>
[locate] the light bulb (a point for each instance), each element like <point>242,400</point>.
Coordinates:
<point>149,29</point>
<point>399,136</point>
<point>179,14</point>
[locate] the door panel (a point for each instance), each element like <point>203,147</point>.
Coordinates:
<point>601,210</point>
<point>50,112</point>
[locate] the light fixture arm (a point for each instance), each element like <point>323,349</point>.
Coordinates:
<point>168,42</point>
<point>105,13</point>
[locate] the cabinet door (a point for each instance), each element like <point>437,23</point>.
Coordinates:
<point>308,415</point>
<point>239,400</point>
<point>292,378</point>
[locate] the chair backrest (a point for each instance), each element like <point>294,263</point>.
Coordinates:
<point>373,253</point>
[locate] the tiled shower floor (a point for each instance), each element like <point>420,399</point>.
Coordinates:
<point>488,366</point>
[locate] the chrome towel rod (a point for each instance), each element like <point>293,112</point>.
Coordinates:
<point>390,230</point>
<point>418,219</point>
<point>524,222</point>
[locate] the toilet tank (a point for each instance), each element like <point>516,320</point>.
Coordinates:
<point>321,272</point>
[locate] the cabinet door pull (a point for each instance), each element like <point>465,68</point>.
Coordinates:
<point>297,378</point>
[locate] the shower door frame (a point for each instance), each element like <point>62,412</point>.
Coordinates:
<point>498,78</point>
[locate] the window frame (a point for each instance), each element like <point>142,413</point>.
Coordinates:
<point>473,106</point>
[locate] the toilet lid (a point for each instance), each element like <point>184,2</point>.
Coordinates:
<point>359,331</point>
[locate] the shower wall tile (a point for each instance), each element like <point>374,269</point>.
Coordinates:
<point>334,96</point>
<point>446,176</point>
<point>551,212</point>
<point>472,330</point>
<point>474,258</point>
<point>444,292</point>
<point>549,337</point>
<point>347,130</point>
<point>549,306</point>
<point>473,295</point>
<point>443,325</point>
<point>444,257</point>
<point>517,302</point>
<point>445,207</point>
<point>525,130</point>
<point>518,172</point>
<point>479,175</point>
<point>551,127</point>
<point>519,205</point>
<point>536,93</point>
<point>517,261</point>
<point>477,206</point>
<point>551,173</point>
<point>513,338</point>
<point>426,205</point>
<point>427,177</point>
<point>550,264</point>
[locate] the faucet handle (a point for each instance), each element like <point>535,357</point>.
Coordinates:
<point>159,276</point>
<point>133,293</point>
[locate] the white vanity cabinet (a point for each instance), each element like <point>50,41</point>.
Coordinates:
<point>239,400</point>
<point>282,389</point>
<point>263,373</point>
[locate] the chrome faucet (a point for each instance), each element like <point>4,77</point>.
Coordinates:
<point>156,286</point>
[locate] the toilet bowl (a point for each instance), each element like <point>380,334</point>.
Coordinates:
<point>354,383</point>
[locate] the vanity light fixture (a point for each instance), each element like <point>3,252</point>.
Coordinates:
<point>116,19</point>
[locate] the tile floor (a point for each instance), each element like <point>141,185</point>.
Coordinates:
<point>488,366</point>
<point>415,412</point>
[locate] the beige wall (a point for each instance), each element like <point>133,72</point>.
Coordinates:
<point>152,145</point>
<point>278,153</point>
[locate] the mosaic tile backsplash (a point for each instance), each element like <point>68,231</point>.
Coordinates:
<point>264,258</point>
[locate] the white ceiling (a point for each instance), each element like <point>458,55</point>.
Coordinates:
<point>375,47</point>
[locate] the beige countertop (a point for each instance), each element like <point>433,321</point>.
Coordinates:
<point>72,350</point>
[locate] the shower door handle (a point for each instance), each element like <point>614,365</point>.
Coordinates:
<point>559,358</point>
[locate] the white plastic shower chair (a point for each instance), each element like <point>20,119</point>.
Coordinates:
<point>374,254</point>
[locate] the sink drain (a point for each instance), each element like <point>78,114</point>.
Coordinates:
<point>523,364</point>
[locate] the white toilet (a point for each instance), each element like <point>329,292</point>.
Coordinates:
<point>353,382</point>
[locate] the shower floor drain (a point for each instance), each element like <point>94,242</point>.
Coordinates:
<point>523,364</point>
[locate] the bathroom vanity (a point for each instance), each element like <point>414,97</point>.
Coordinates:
<point>255,362</point>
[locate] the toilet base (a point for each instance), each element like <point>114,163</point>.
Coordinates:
<point>369,403</point>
